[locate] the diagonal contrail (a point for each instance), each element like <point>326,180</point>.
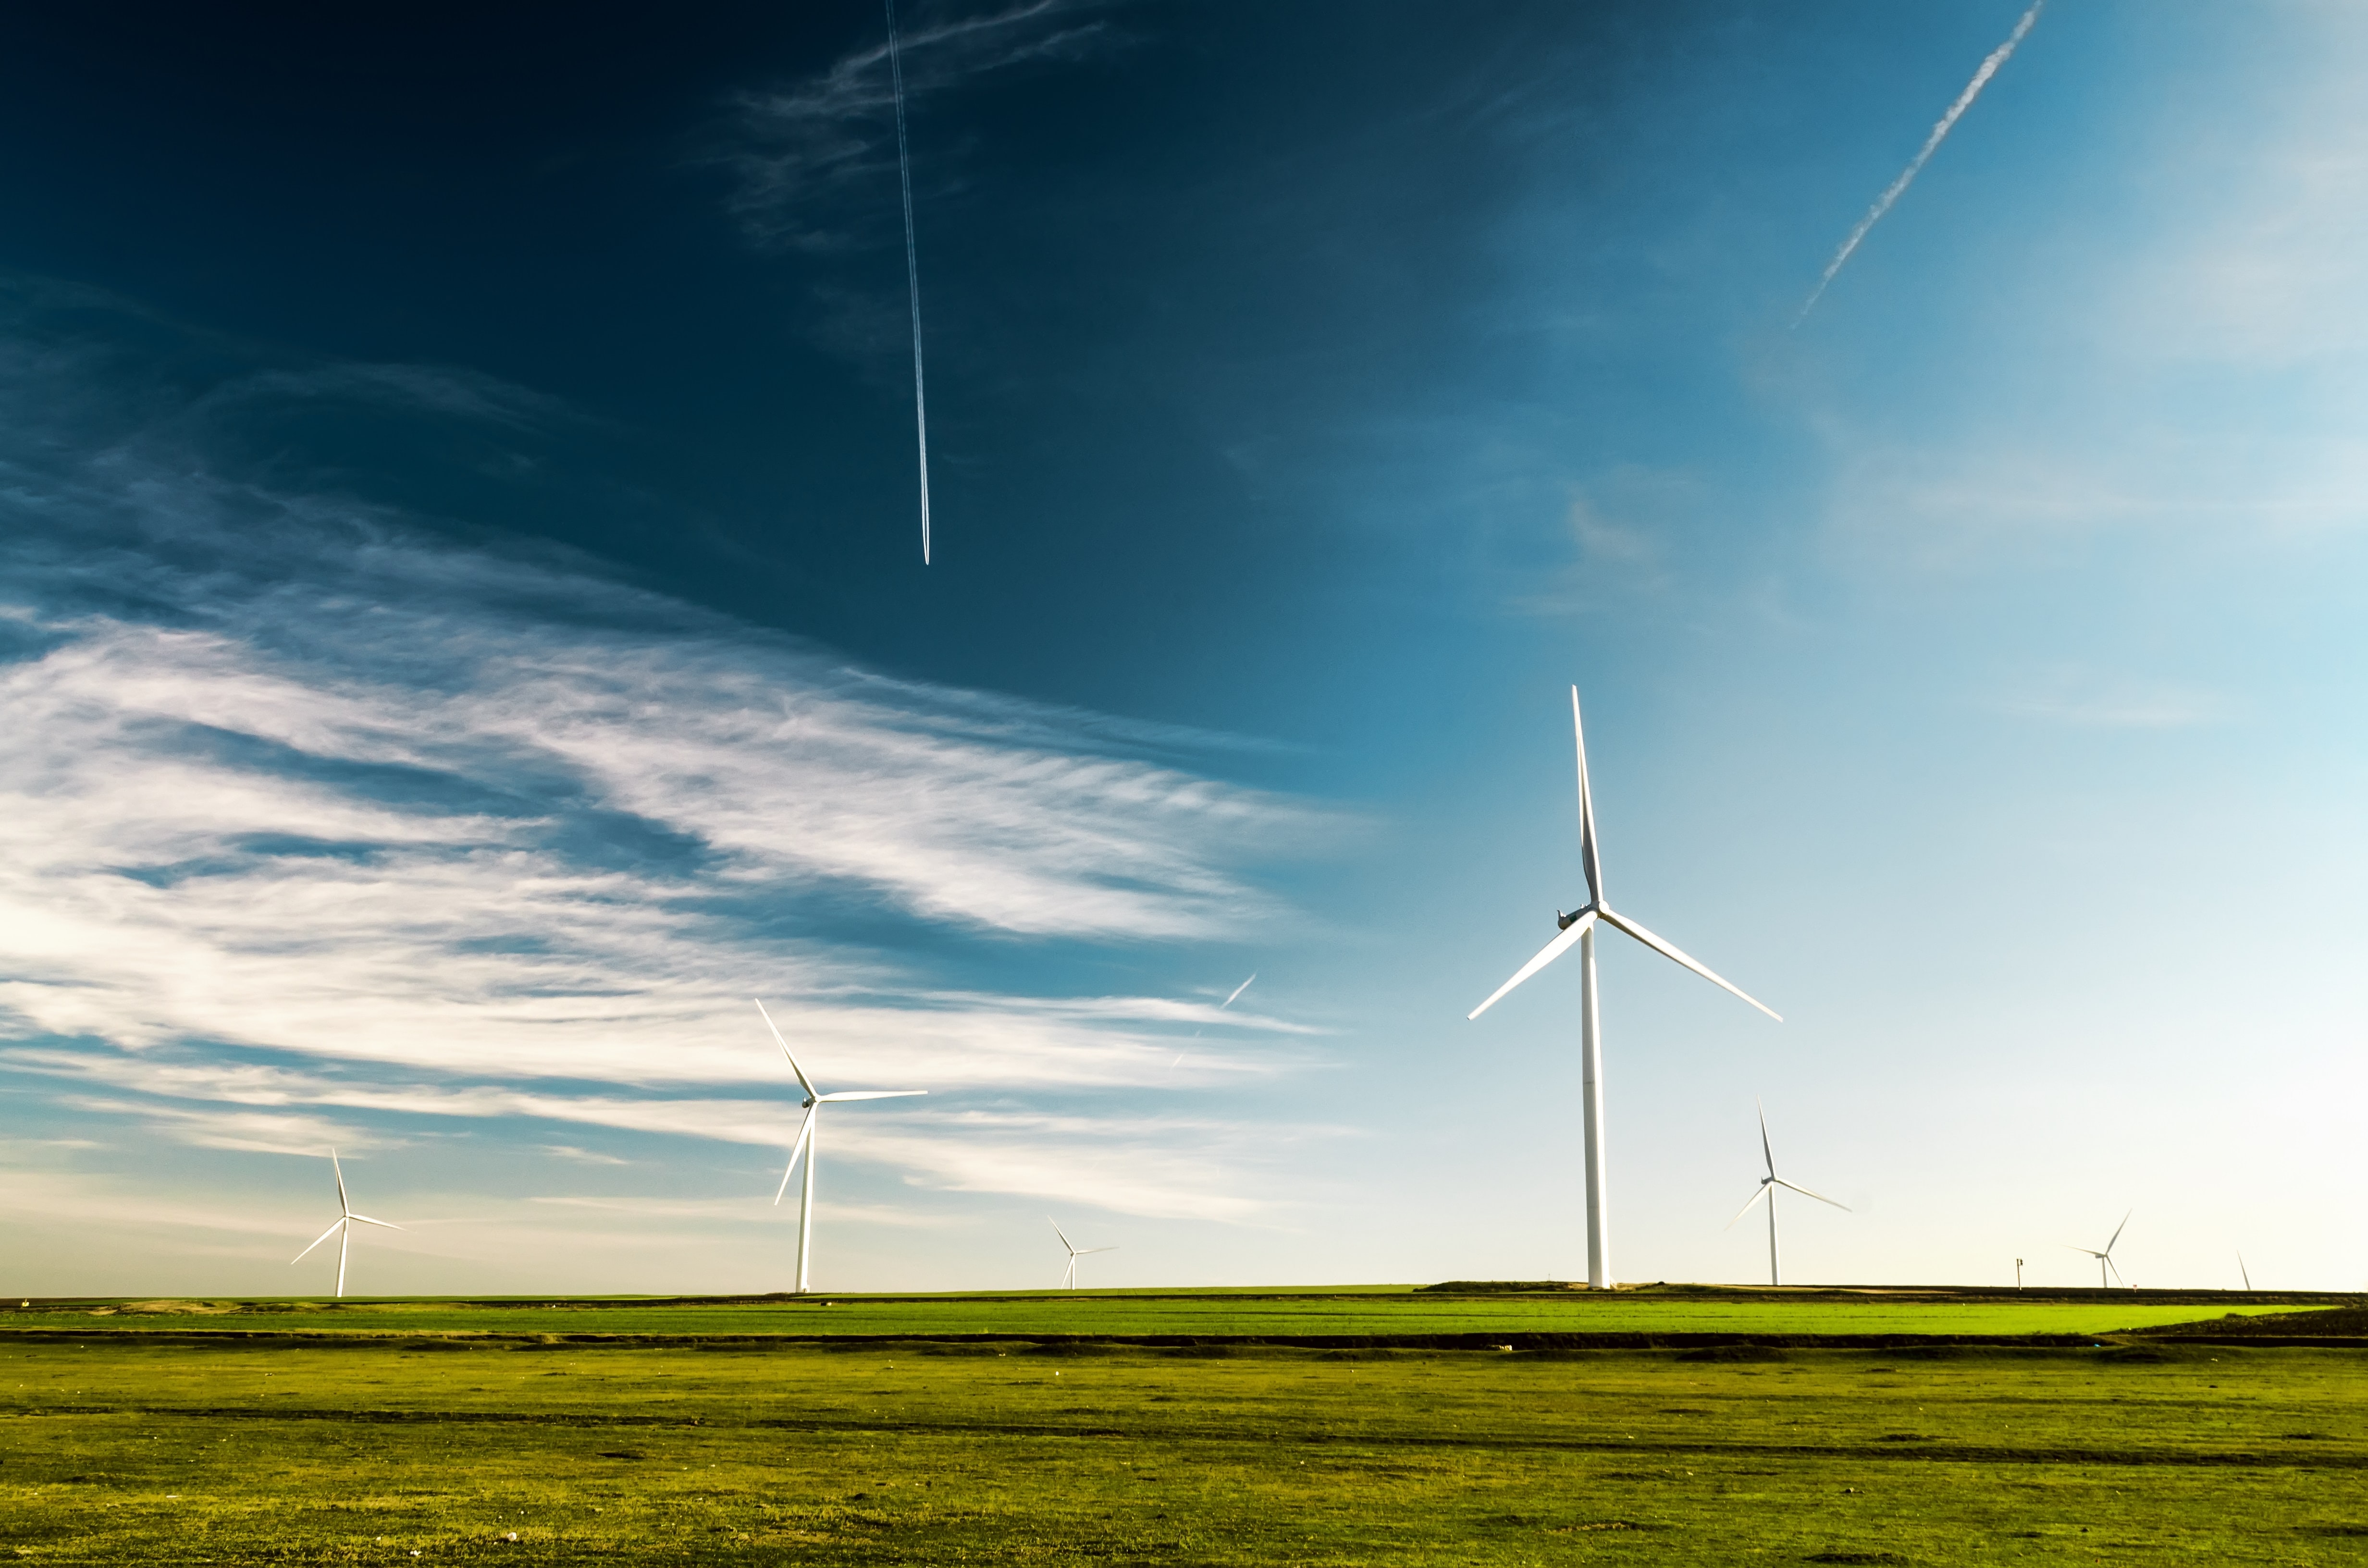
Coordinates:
<point>1228,1002</point>
<point>1898,188</point>
<point>911,277</point>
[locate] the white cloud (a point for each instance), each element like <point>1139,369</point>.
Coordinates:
<point>2185,370</point>
<point>310,823</point>
<point>1128,1161</point>
<point>583,1157</point>
<point>2263,260</point>
<point>245,1131</point>
<point>2086,699</point>
<point>547,858</point>
<point>802,145</point>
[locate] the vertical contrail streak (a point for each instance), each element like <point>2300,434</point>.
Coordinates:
<point>1898,188</point>
<point>911,277</point>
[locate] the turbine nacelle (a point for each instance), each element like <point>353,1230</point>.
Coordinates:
<point>1579,922</point>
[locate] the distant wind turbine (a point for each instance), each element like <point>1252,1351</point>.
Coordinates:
<point>2105,1258</point>
<point>814,1103</point>
<point>1579,929</point>
<point>1767,1185</point>
<point>1069,1280</point>
<point>342,1229</point>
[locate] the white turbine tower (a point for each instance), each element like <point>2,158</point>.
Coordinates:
<point>1069,1280</point>
<point>1579,929</point>
<point>814,1103</point>
<point>342,1229</point>
<point>2105,1258</point>
<point>1767,1185</point>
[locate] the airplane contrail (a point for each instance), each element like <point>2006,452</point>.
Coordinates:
<point>911,277</point>
<point>1228,1002</point>
<point>1898,188</point>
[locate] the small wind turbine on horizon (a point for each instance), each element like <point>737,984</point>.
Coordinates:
<point>1767,1185</point>
<point>1069,1280</point>
<point>813,1105</point>
<point>1579,929</point>
<point>2105,1259</point>
<point>342,1229</point>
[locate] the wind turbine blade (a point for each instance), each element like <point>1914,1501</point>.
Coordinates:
<point>1547,955</point>
<point>368,1220</point>
<point>869,1095</point>
<point>1768,1154</point>
<point>800,1072</point>
<point>1083,1252</point>
<point>1667,951</point>
<point>1806,1193</point>
<point>2117,1273</point>
<point>1747,1207</point>
<point>804,1129</point>
<point>1245,986</point>
<point>323,1236</point>
<point>342,1205</point>
<point>2092,1252</point>
<point>1062,1233</point>
<point>1587,859</point>
<point>2117,1233</point>
<point>2246,1273</point>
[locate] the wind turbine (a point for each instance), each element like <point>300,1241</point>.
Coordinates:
<point>1579,929</point>
<point>1767,1185</point>
<point>814,1103</point>
<point>342,1229</point>
<point>1069,1280</point>
<point>2105,1258</point>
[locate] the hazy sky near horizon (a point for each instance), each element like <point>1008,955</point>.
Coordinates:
<point>462,635</point>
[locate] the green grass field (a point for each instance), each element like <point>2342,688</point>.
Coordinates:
<point>1383,1312</point>
<point>118,1446</point>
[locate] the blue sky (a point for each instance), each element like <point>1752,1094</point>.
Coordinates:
<point>464,636</point>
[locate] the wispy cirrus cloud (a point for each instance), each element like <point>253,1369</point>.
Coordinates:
<point>2086,698</point>
<point>306,811</point>
<point>801,150</point>
<point>243,1132</point>
<point>1177,1166</point>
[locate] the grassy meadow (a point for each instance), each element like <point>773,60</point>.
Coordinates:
<point>1385,1312</point>
<point>121,1446</point>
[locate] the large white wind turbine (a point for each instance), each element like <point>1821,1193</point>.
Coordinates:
<point>342,1229</point>
<point>2105,1258</point>
<point>1767,1185</point>
<point>1579,929</point>
<point>805,1145</point>
<point>1069,1280</point>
